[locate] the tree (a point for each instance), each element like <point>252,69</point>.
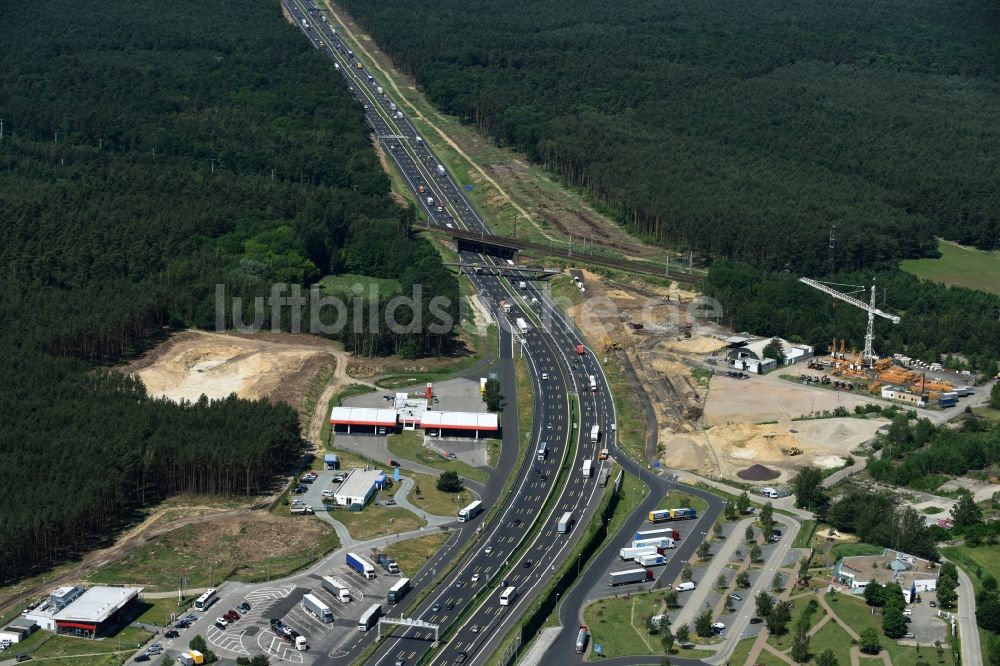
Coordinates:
<point>743,502</point>
<point>742,580</point>
<point>260,660</point>
<point>703,550</point>
<point>730,511</point>
<point>449,482</point>
<point>492,396</point>
<point>683,633</point>
<point>717,529</point>
<point>893,622</point>
<point>868,641</point>
<point>966,512</point>
<point>778,583</point>
<point>670,599</point>
<point>755,554</point>
<point>764,604</point>
<point>666,638</point>
<point>687,573</point>
<point>875,594</point>
<point>778,619</point>
<point>722,582</point>
<point>800,647</point>
<point>773,350</point>
<point>198,643</point>
<point>995,396</point>
<point>703,624</point>
<point>749,534</point>
<point>167,661</point>
<point>827,658</point>
<point>946,595</point>
<point>808,489</point>
<point>767,515</point>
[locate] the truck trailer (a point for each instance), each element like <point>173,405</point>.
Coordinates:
<point>595,434</point>
<point>593,383</point>
<point>629,576</point>
<point>662,542</point>
<point>629,554</point>
<point>313,605</point>
<point>337,588</point>
<point>588,468</point>
<point>521,325</point>
<point>669,532</point>
<point>361,565</point>
<point>651,560</point>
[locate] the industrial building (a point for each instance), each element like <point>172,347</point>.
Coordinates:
<point>86,613</point>
<point>748,355</point>
<point>409,413</point>
<point>359,486</point>
<point>914,575</point>
<point>18,629</point>
<point>900,394</point>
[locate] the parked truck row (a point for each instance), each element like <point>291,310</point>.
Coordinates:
<point>663,515</point>
<point>361,565</point>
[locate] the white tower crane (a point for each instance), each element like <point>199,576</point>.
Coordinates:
<point>827,288</point>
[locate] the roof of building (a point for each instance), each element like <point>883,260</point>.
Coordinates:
<point>359,482</point>
<point>736,340</point>
<point>888,566</point>
<point>363,416</point>
<point>460,420</point>
<point>97,604</point>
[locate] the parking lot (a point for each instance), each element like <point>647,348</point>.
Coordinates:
<point>251,634</point>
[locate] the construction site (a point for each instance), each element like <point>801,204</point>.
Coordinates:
<point>717,420</point>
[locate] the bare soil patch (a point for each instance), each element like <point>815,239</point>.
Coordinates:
<point>758,473</point>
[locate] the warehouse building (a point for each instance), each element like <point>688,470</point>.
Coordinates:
<point>359,486</point>
<point>913,574</point>
<point>85,613</point>
<point>363,419</point>
<point>459,423</point>
<point>748,356</point>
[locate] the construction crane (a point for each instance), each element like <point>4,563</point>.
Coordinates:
<point>868,356</point>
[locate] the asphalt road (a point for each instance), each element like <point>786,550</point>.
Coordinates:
<point>548,353</point>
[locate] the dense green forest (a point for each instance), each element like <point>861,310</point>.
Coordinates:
<point>923,456</point>
<point>152,153</point>
<point>936,320</point>
<point>742,130</point>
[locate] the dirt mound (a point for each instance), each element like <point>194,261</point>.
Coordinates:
<point>758,473</point>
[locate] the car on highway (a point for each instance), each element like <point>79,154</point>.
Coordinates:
<point>550,426</point>
<point>488,550</point>
<point>527,564</point>
<point>450,605</point>
<point>436,608</point>
<point>545,375</point>
<point>475,628</point>
<point>755,620</point>
<point>475,578</point>
<point>735,597</point>
<point>460,584</point>
<point>400,662</point>
<point>462,656</point>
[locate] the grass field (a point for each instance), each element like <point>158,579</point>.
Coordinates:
<point>784,642</point>
<point>409,445</point>
<point>959,265</point>
<point>411,554</point>
<point>804,538</point>
<point>988,413</point>
<point>854,549</point>
<point>432,500</point>
<point>377,520</point>
<point>832,637</point>
<point>618,625</point>
<point>677,500</point>
<point>66,651</point>
<point>742,651</point>
<point>977,562</point>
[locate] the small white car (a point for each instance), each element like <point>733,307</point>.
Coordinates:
<point>545,375</point>
<point>488,550</point>
<point>221,621</point>
<point>475,578</point>
<point>327,493</point>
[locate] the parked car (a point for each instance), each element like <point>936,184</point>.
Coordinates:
<point>389,502</point>
<point>221,622</point>
<point>245,606</point>
<point>173,633</point>
<point>933,603</point>
<point>138,657</point>
<point>735,597</point>
<point>755,620</point>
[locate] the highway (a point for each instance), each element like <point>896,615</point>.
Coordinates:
<point>548,354</point>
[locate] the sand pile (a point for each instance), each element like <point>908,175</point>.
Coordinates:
<point>699,344</point>
<point>758,473</point>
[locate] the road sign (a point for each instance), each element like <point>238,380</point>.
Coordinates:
<point>468,188</point>
<point>599,649</point>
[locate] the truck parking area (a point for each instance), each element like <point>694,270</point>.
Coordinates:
<point>254,634</point>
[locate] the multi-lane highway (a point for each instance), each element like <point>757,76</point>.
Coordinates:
<point>521,546</point>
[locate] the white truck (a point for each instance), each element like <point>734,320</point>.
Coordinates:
<point>313,605</point>
<point>595,434</point>
<point>650,559</point>
<point>430,201</point>
<point>522,285</point>
<point>521,325</point>
<point>565,523</point>
<point>440,170</point>
<point>593,383</point>
<point>588,468</point>
<point>337,588</point>
<point>661,542</point>
<point>629,554</point>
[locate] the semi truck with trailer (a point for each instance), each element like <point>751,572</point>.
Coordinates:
<point>669,532</point>
<point>595,434</point>
<point>565,523</point>
<point>337,588</point>
<point>581,639</point>
<point>629,576</point>
<point>580,351</point>
<point>542,451</point>
<point>629,554</point>
<point>361,565</point>
<point>470,512</point>
<point>664,515</point>
<point>588,468</point>
<point>289,635</point>
<point>398,591</point>
<point>387,563</point>
<point>313,605</point>
<point>602,480</point>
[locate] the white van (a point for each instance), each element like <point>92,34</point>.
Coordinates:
<point>685,587</point>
